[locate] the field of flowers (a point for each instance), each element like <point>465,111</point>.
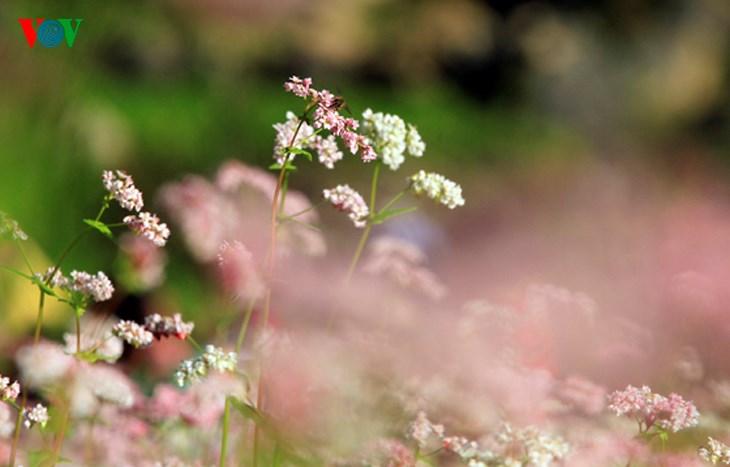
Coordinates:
<point>354,349</point>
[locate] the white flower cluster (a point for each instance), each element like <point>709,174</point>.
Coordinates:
<point>421,429</point>
<point>715,452</point>
<point>390,138</point>
<point>345,198</point>
<point>540,448</point>
<point>133,333</point>
<point>438,188</point>
<point>195,369</point>
<point>97,286</point>
<point>326,148</point>
<point>36,415</point>
<point>149,226</point>
<point>10,227</point>
<point>512,447</point>
<point>121,185</point>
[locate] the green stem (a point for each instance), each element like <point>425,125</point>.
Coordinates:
<point>296,214</point>
<point>224,440</point>
<point>368,228</point>
<point>244,325</point>
<point>284,188</point>
<point>195,344</point>
<point>392,201</point>
<point>25,256</point>
<point>358,252</point>
<point>78,333</point>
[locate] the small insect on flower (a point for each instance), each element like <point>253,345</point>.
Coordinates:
<point>338,103</point>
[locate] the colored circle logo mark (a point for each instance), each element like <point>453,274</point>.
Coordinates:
<point>50,33</point>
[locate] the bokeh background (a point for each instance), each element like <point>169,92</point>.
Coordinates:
<point>591,138</point>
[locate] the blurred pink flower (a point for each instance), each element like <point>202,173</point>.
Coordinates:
<point>582,395</point>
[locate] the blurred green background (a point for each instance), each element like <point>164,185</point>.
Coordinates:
<point>501,91</point>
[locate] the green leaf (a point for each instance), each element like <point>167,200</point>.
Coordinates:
<point>92,357</point>
<point>247,410</point>
<point>303,152</point>
<point>44,459</point>
<point>277,166</point>
<point>100,226</point>
<point>382,216</point>
<point>42,285</point>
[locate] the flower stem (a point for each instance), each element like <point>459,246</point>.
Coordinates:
<point>366,232</point>
<point>244,325</point>
<point>61,432</point>
<point>277,206</point>
<point>195,344</point>
<point>224,440</point>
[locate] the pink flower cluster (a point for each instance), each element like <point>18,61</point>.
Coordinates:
<point>345,198</point>
<point>132,333</point>
<point>652,409</point>
<point>121,187</point>
<point>155,326</point>
<point>97,286</point>
<point>164,326</point>
<point>8,391</point>
<point>326,115</point>
<point>149,226</point>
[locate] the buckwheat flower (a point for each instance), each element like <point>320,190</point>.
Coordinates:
<point>345,198</point>
<point>327,150</point>
<point>675,413</point>
<point>391,138</point>
<point>133,333</point>
<point>298,86</point>
<point>421,429</point>
<point>195,369</point>
<point>9,227</point>
<point>190,371</point>
<point>652,409</point>
<point>149,226</point>
<point>284,134</point>
<point>97,286</point>
<point>58,280</point>
<point>218,359</point>
<point>121,185</point>
<point>414,144</point>
<point>715,452</point>
<point>326,115</point>
<point>438,188</point>
<point>461,446</point>
<point>8,391</point>
<point>166,326</point>
<point>36,415</point>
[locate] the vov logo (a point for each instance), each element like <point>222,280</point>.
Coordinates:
<point>50,32</point>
